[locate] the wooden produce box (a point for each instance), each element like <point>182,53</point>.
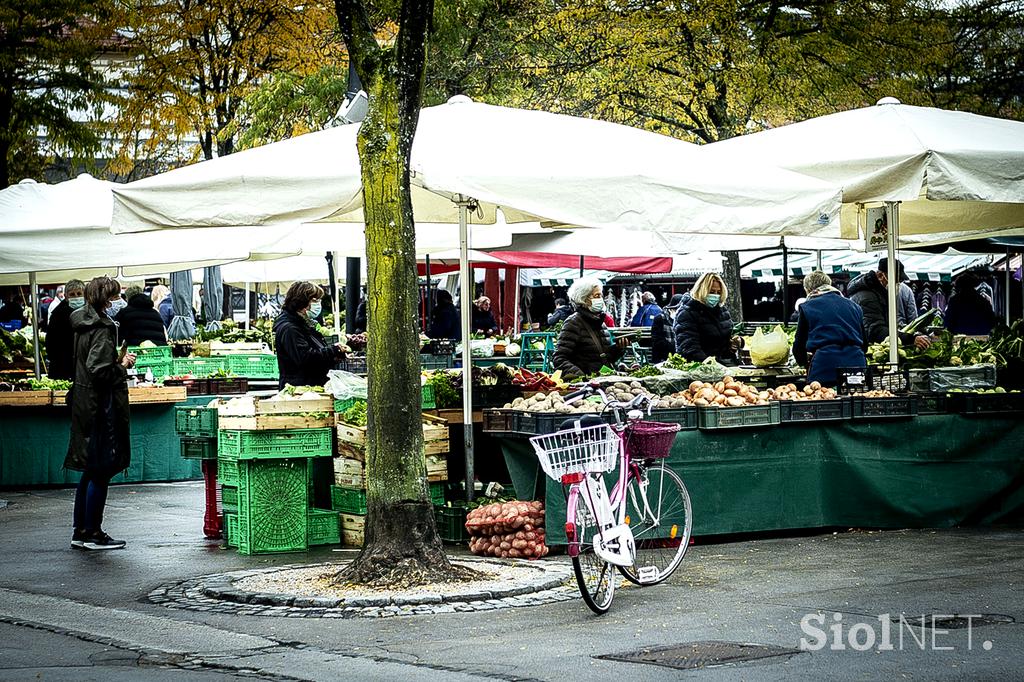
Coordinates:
<point>60,398</point>
<point>267,422</point>
<point>352,530</point>
<point>437,468</point>
<point>349,472</point>
<point>157,394</point>
<point>242,347</point>
<point>261,414</point>
<point>352,439</point>
<point>26,398</point>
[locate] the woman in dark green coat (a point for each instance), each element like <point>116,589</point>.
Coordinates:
<point>100,444</point>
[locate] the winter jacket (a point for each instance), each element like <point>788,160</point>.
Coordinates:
<point>576,353</point>
<point>560,314</point>
<point>60,344</point>
<point>139,321</point>
<point>663,337</point>
<point>447,323</point>
<point>303,357</point>
<point>830,327</point>
<point>906,308</point>
<point>968,312</point>
<point>645,316</point>
<point>873,298</point>
<point>703,331</point>
<point>166,308</point>
<point>483,320</point>
<point>100,434</point>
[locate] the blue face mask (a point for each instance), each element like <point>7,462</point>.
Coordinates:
<point>597,305</point>
<point>76,302</point>
<point>315,308</point>
<point>713,299</point>
<point>115,307</point>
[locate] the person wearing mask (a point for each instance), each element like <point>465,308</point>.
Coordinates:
<point>483,318</point>
<point>584,344</point>
<point>100,444</point>
<point>56,301</point>
<point>648,311</point>
<point>60,338</point>
<point>968,312</point>
<point>446,322</point>
<point>870,292</point>
<point>663,337</point>
<point>303,356</point>
<point>140,321</point>
<point>563,309</point>
<point>703,326</point>
<point>829,331</point>
<point>161,296</point>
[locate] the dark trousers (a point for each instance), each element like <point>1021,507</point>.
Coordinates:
<point>90,498</point>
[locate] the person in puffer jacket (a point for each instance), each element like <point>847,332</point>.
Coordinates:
<point>585,344</point>
<point>703,326</point>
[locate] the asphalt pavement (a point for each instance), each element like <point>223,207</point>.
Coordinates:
<point>845,605</point>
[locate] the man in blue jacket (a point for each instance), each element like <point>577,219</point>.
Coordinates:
<point>829,331</point>
<point>648,311</point>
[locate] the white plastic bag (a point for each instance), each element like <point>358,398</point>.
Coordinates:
<point>769,349</point>
<point>344,385</point>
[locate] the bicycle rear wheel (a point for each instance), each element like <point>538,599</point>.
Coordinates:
<point>594,576</point>
<point>659,514</point>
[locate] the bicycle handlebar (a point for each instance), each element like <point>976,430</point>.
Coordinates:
<point>595,389</point>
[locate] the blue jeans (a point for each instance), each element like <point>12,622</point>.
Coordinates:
<point>90,498</point>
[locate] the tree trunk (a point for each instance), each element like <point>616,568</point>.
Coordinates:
<point>401,545</point>
<point>731,276</point>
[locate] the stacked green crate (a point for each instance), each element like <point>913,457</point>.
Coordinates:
<point>156,359</point>
<point>259,366</point>
<point>197,427</point>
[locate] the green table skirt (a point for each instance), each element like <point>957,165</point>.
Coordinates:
<point>34,441</point>
<point>926,472</point>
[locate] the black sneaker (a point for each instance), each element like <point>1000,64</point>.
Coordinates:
<point>78,539</point>
<point>100,540</point>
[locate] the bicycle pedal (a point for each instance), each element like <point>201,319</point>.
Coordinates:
<point>647,574</point>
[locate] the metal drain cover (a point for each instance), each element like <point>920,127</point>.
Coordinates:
<point>955,622</point>
<point>694,655</point>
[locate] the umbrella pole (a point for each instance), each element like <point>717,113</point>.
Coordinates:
<point>466,295</point>
<point>1008,280</point>
<point>33,297</point>
<point>785,280</point>
<point>246,305</point>
<point>818,259</point>
<point>337,297</point>
<point>581,267</point>
<point>892,292</point>
<point>429,315</point>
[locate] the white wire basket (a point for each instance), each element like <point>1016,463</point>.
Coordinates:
<point>577,451</point>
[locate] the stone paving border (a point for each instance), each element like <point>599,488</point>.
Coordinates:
<point>217,594</point>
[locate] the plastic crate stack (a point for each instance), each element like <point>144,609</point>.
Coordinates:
<point>348,493</point>
<point>265,469</point>
<point>156,359</point>
<point>197,427</point>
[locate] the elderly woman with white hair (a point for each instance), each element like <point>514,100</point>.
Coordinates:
<point>829,331</point>
<point>585,345</point>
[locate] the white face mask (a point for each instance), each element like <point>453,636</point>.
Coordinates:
<point>315,308</point>
<point>115,307</point>
<point>597,305</point>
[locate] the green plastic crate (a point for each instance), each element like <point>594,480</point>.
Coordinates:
<point>229,498</point>
<point>273,506</point>
<point>274,444</point>
<point>345,403</point>
<point>150,353</point>
<point>196,421</point>
<point>324,527</point>
<point>227,471</point>
<point>427,401</point>
<point>348,500</point>
<point>437,494</point>
<point>230,529</point>
<point>261,366</point>
<point>200,367</point>
<point>159,368</point>
<point>451,523</point>
<point>198,448</point>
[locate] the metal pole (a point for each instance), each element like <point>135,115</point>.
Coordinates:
<point>516,325</point>
<point>336,290</point>
<point>785,280</point>
<point>430,297</point>
<point>466,295</point>
<point>818,259</point>
<point>247,315</point>
<point>893,208</point>
<point>33,297</point>
<point>1008,280</point>
<point>581,266</point>
<point>352,294</point>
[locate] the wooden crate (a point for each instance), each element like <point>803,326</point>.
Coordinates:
<point>60,398</point>
<point>352,529</point>
<point>263,406</point>
<point>245,347</point>
<point>25,398</point>
<point>165,394</point>
<point>437,468</point>
<point>352,439</point>
<point>267,422</point>
<point>349,472</point>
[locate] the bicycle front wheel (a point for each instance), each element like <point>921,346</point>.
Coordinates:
<point>659,514</point>
<point>594,576</point>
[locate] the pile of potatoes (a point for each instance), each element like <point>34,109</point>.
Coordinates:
<point>552,402</point>
<point>877,393</point>
<point>508,530</point>
<point>725,393</point>
<point>812,391</point>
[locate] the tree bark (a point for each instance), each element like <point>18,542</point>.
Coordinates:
<point>731,276</point>
<point>401,545</point>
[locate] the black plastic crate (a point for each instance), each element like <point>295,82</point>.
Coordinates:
<point>943,379</point>
<point>686,417</point>
<point>816,410</point>
<point>933,403</point>
<point>881,408</point>
<point>737,417</point>
<point>986,403</point>
<point>356,364</point>
<point>499,421</point>
<point>888,377</point>
<point>428,361</point>
<point>494,396</point>
<point>440,347</point>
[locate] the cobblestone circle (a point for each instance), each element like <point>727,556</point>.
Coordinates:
<point>217,593</point>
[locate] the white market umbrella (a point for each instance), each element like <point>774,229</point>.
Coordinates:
<point>942,175</point>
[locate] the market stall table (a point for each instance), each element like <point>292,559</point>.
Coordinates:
<point>928,471</point>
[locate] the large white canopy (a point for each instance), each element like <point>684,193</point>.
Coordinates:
<point>533,165</point>
<point>958,175</point>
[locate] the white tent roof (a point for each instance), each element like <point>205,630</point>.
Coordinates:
<point>533,165</point>
<point>958,175</point>
<point>919,266</point>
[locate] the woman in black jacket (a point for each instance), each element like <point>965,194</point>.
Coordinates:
<point>446,322</point>
<point>703,326</point>
<point>139,321</point>
<point>483,318</point>
<point>100,444</point>
<point>584,344</point>
<point>60,338</point>
<point>303,357</point>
